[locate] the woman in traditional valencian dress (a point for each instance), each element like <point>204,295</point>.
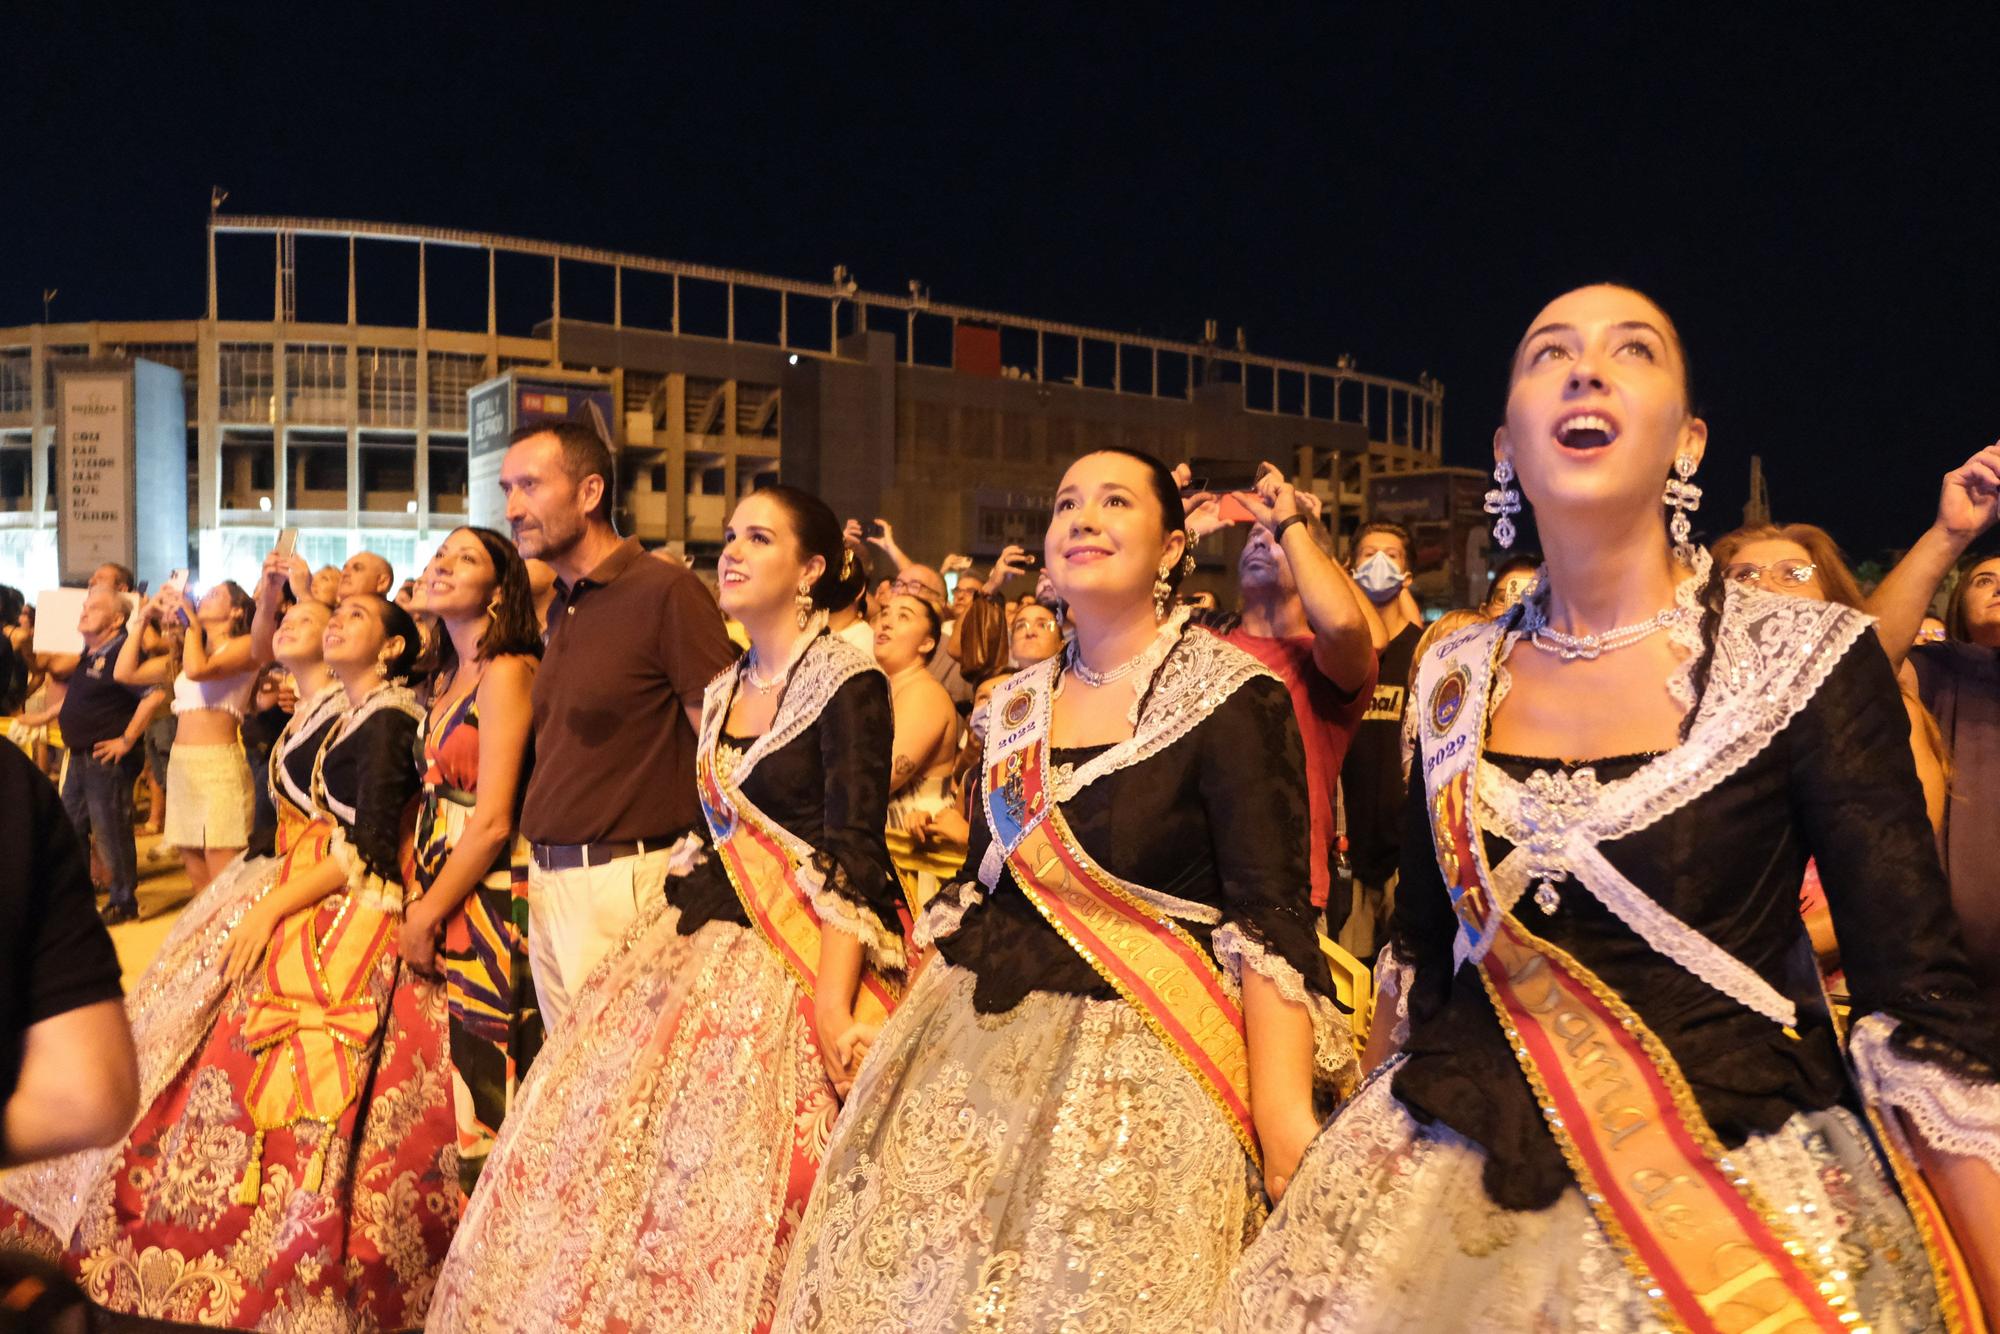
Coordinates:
<point>471,861</point>
<point>652,1171</point>
<point>1061,1127</point>
<point>300,1173</point>
<point>1619,1102</point>
<point>175,1004</point>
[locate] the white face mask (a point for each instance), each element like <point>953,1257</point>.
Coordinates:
<point>1380,577</point>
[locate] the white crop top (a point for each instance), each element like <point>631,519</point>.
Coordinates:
<point>228,693</point>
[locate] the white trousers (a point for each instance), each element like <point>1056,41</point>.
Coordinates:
<point>576,915</point>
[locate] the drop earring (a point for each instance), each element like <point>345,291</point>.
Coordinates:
<point>1503,500</point>
<point>1682,496</point>
<point>804,603</point>
<point>1162,590</point>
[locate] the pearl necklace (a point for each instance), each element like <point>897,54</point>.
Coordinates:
<point>758,683</point>
<point>1075,664</point>
<point>1590,647</point>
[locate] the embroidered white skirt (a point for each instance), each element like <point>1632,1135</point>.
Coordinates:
<point>656,1159</point>
<point>208,797</point>
<point>1049,1168</point>
<point>1388,1227</point>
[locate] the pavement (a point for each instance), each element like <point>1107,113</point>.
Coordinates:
<point>164,889</point>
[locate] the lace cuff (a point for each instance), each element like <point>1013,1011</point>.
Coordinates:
<point>839,907</point>
<point>1335,1067</point>
<point>364,886</point>
<point>945,911</point>
<point>1952,1113</point>
<point>1392,984</point>
<point>685,853</point>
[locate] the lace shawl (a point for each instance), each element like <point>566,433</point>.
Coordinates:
<point>819,665</point>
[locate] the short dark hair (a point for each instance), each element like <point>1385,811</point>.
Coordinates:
<point>127,581</point>
<point>1519,563</point>
<point>1395,530</point>
<point>584,455</point>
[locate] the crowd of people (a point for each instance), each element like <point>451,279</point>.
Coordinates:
<point>838,941</point>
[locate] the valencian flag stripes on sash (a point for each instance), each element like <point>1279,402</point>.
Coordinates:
<point>1712,1255</point>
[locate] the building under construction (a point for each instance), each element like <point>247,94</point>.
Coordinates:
<point>955,421</point>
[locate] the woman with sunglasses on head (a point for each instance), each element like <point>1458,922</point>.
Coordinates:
<point>652,1171</point>
<point>1619,1102</point>
<point>300,1170</point>
<point>1072,1120</point>
<point>1803,561</point>
<point>469,918</point>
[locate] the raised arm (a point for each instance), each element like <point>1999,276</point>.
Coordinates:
<point>203,661</point>
<point>133,668</point>
<point>887,541</point>
<point>1343,645</point>
<point>278,572</point>
<point>1968,502</point>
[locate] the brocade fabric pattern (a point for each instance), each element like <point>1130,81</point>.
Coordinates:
<point>350,1216</point>
<point>655,1162</point>
<point>658,1157</point>
<point>1050,1168</point>
<point>1386,1228</point>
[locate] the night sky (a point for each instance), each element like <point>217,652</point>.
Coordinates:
<point>1811,199</point>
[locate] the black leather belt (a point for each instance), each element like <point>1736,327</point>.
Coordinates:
<point>569,856</point>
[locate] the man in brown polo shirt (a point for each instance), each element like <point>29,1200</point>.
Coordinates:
<point>631,643</point>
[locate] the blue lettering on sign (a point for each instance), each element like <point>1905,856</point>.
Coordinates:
<point>1445,752</point>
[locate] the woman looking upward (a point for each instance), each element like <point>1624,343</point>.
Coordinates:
<point>908,634</point>
<point>1615,1056</point>
<point>1073,1118</point>
<point>472,866</point>
<point>655,1164</point>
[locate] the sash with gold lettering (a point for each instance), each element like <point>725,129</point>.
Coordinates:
<point>766,863</point>
<point>1710,1254</point>
<point>1120,929</point>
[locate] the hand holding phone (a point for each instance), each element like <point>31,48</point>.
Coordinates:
<point>288,541</point>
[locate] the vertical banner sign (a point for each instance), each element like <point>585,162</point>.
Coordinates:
<point>95,515</point>
<point>488,423</point>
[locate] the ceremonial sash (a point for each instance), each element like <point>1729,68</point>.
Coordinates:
<point>1708,1252</point>
<point>765,875</point>
<point>313,1021</point>
<point>1129,941</point>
